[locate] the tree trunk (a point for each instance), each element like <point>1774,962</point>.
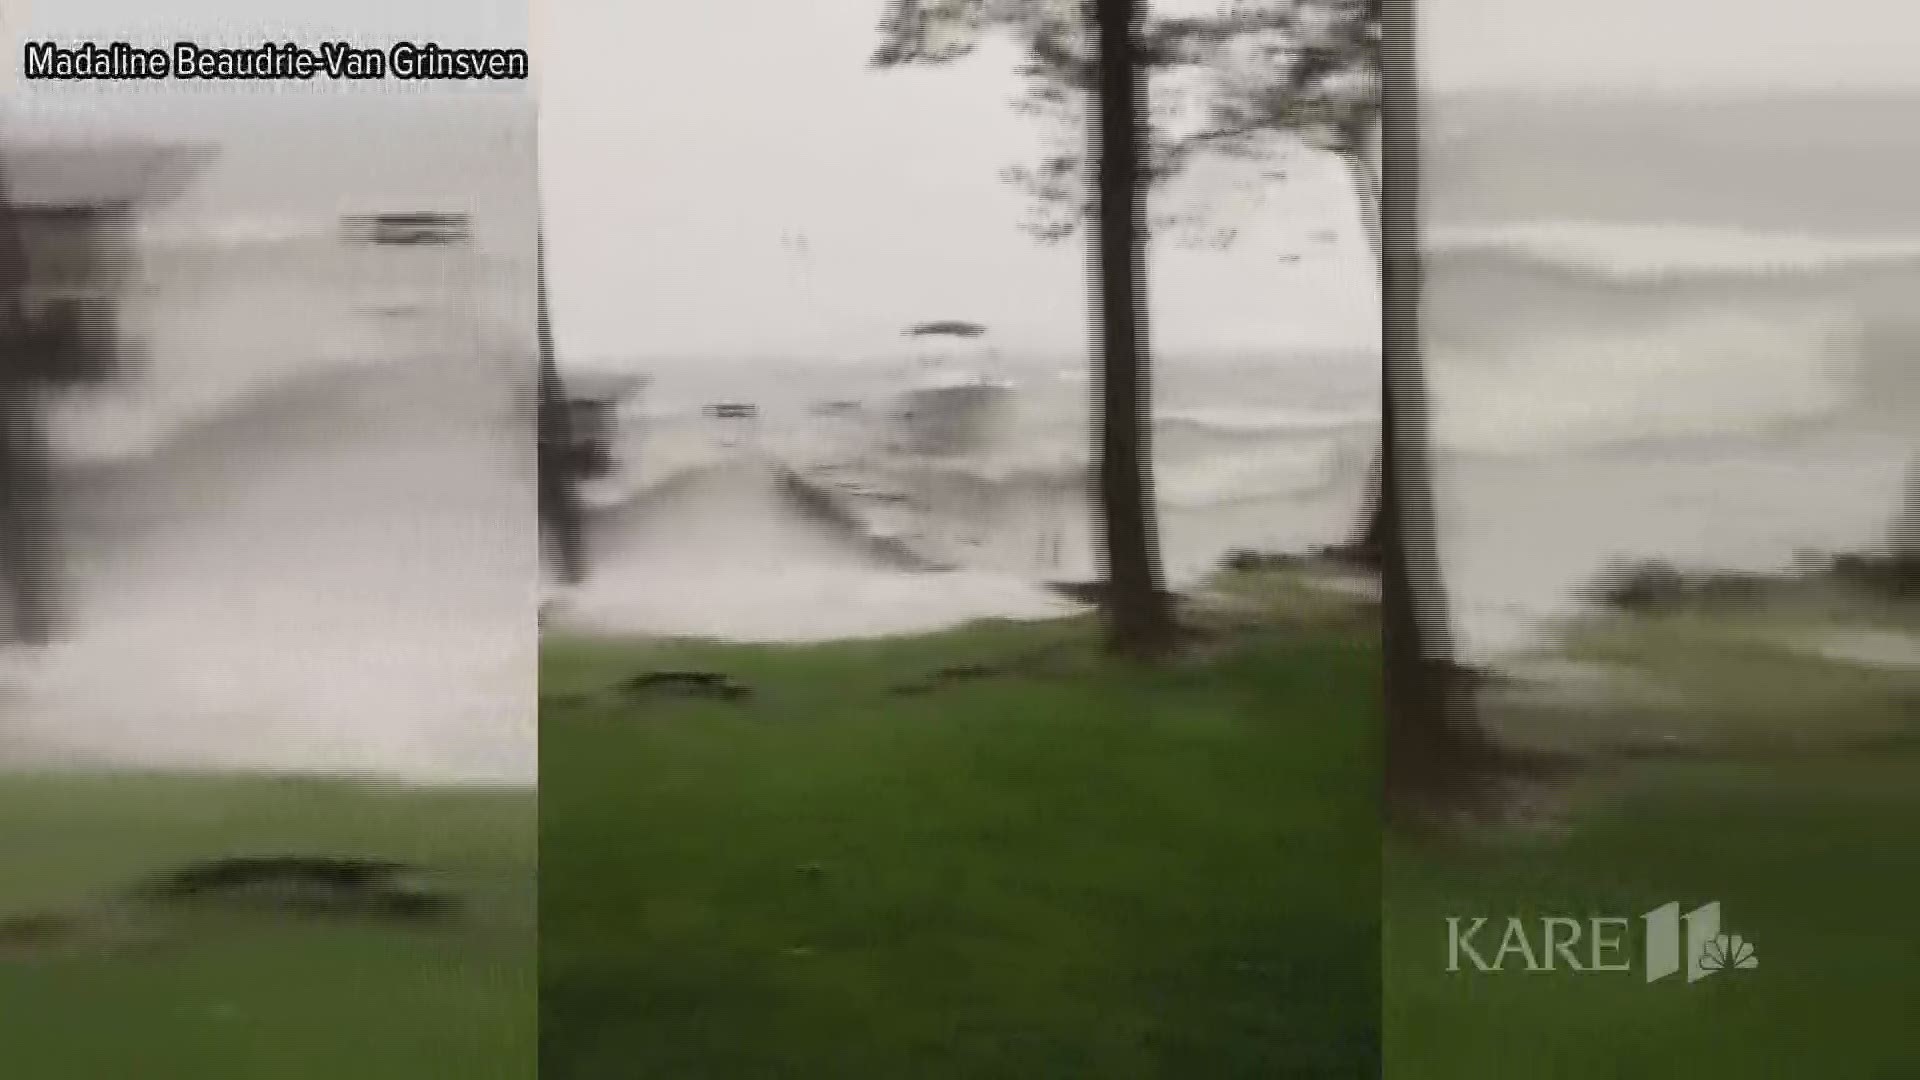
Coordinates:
<point>1905,535</point>
<point>1139,619</point>
<point>1366,192</point>
<point>1368,542</point>
<point>562,521</point>
<point>1429,729</point>
<point>1369,534</point>
<point>27,543</point>
<point>1907,532</point>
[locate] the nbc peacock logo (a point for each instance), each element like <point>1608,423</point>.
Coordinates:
<point>1705,950</point>
<point>1728,952</point>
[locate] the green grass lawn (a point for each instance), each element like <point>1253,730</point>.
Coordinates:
<point>1795,805</point>
<point>1066,872</point>
<point>153,995</point>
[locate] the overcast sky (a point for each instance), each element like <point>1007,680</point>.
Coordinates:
<point>1670,44</point>
<point>683,143</point>
<point>733,178</point>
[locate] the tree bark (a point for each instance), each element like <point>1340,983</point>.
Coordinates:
<point>562,520</point>
<point>28,551</point>
<point>1369,534</point>
<point>1368,541</point>
<point>1906,527</point>
<point>1139,618</point>
<point>1366,192</point>
<point>1430,730</point>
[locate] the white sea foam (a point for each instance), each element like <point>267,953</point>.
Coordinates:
<point>1705,373</point>
<point>1630,251</point>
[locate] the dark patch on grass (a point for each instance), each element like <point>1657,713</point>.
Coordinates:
<point>39,930</point>
<point>307,885</point>
<point>711,685</point>
<point>1039,662</point>
<point>1091,592</point>
<point>1892,573</point>
<point>1656,586</point>
<point>572,699</point>
<point>1352,558</point>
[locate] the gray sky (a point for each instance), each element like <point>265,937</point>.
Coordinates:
<point>1671,44</point>
<point>686,146</point>
<point>728,178</point>
<point>291,148</point>
<point>682,144</point>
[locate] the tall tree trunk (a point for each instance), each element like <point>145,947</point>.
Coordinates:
<point>27,544</point>
<point>1428,727</point>
<point>1369,536</point>
<point>562,520</point>
<point>1366,192</point>
<point>1139,619</point>
<point>1368,541</point>
<point>1906,527</point>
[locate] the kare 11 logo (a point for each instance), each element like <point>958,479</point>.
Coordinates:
<point>1671,942</point>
